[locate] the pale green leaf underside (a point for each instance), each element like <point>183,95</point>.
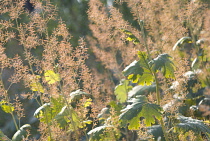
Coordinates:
<point>121,90</point>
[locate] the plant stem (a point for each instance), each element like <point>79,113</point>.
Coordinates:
<point>13,117</point>
<point>158,102</point>
<point>69,110</point>
<point>7,98</point>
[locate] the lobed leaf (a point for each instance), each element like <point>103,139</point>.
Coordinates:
<point>134,68</point>
<point>60,117</point>
<point>187,123</point>
<point>150,112</point>
<point>140,108</point>
<point>131,111</point>
<point>140,71</point>
<point>134,123</point>
<point>51,77</point>
<point>164,64</point>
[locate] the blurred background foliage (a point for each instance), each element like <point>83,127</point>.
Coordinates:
<point>74,13</point>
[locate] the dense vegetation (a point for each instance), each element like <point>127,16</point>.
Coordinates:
<point>103,70</point>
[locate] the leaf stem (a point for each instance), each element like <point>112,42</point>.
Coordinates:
<point>13,117</point>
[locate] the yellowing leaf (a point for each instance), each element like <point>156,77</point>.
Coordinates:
<point>88,102</point>
<point>150,112</point>
<point>134,123</point>
<point>36,86</point>
<point>140,71</point>
<point>51,77</point>
<point>7,107</point>
<point>131,36</point>
<point>88,121</point>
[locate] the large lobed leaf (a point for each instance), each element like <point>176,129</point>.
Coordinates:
<point>134,68</point>
<point>143,70</point>
<point>164,64</point>
<point>140,108</point>
<point>140,71</point>
<point>150,112</point>
<point>187,123</point>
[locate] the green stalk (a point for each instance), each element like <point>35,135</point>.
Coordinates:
<point>158,102</point>
<point>141,23</point>
<point>69,110</point>
<point>13,117</point>
<point>7,98</point>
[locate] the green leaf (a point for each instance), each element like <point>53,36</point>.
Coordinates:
<point>141,90</point>
<point>131,36</point>
<point>7,107</point>
<point>150,112</point>
<point>122,90</point>
<point>116,106</point>
<point>182,41</point>
<point>95,134</point>
<point>156,131</point>
<point>39,113</point>
<point>60,117</point>
<point>140,108</point>
<point>164,64</point>
<point>18,136</point>
<point>78,94</point>
<point>134,123</point>
<point>36,86</point>
<point>146,79</point>
<point>51,77</point>
<point>56,105</point>
<point>144,60</point>
<point>140,71</point>
<point>134,68</point>
<point>105,112</point>
<point>187,123</point>
<point>131,111</point>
